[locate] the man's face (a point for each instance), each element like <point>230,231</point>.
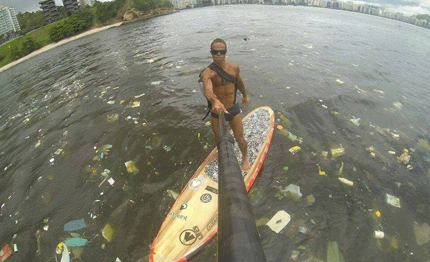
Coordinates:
<point>218,57</point>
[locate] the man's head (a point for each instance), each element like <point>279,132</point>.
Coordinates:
<point>218,50</point>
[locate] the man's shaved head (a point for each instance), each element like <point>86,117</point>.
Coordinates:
<point>219,40</point>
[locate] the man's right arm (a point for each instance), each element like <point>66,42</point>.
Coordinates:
<point>209,93</point>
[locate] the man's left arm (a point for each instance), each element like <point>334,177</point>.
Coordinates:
<point>241,86</point>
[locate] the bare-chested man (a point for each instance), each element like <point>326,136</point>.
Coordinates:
<point>222,95</point>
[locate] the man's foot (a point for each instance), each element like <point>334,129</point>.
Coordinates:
<point>245,165</point>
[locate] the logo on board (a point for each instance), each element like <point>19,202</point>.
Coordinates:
<point>190,236</point>
<point>197,182</point>
<point>206,198</point>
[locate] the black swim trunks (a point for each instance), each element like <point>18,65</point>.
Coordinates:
<point>234,110</point>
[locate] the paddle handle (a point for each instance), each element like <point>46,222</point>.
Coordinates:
<point>238,238</point>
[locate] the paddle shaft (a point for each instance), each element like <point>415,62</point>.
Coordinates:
<point>238,238</point>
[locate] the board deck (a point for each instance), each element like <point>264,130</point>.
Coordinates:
<point>193,219</point>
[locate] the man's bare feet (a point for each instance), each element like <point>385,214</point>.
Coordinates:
<point>245,165</point>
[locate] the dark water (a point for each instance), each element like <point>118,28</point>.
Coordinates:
<point>58,100</point>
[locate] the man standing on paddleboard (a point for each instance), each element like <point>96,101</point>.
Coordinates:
<point>221,80</point>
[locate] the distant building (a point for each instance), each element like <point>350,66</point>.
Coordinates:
<point>86,2</point>
<point>8,21</point>
<point>49,10</point>
<point>71,5</point>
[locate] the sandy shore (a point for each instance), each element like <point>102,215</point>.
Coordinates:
<point>54,45</point>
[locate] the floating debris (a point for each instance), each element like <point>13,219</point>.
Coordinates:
<point>424,144</point>
<point>321,172</point>
<point>166,148</point>
<point>295,254</point>
<point>378,213</point>
<point>422,233</point>
<point>155,83</point>
<point>58,151</point>
<point>355,121</point>
<point>310,199</point>
<point>5,252</point>
<point>340,170</point>
<point>111,181</point>
<point>111,102</point>
<point>391,152</point>
<point>285,121</point>
<point>75,225</point>
<point>346,181</point>
<point>333,253</point>
<point>294,150</point>
<point>309,46</point>
<point>108,233</point>
<point>340,82</point>
<point>291,190</point>
<point>404,158</point>
<point>139,96</point>
<point>398,105</point>
<point>336,152</point>
<point>75,242</point>
<point>131,168</point>
<point>112,118</point>
<point>65,257</point>
<point>285,168</point>
<point>378,91</point>
<point>135,104</point>
<point>279,221</point>
<point>173,194</point>
<point>392,200</point>
<point>279,127</point>
<point>379,234</point>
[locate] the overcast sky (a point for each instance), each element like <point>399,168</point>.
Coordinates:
<point>404,6</point>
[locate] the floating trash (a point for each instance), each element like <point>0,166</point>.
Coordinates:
<point>112,118</point>
<point>111,181</point>
<point>108,233</point>
<point>321,172</point>
<point>279,221</point>
<point>279,127</point>
<point>295,254</point>
<point>378,213</point>
<point>294,150</point>
<point>391,152</point>
<point>379,234</point>
<point>139,96</point>
<point>355,121</point>
<point>398,105</point>
<point>166,148</point>
<point>378,91</point>
<point>58,151</point>
<point>65,257</point>
<point>75,242</point>
<point>285,168</point>
<point>310,199</point>
<point>131,168</point>
<point>392,200</point>
<point>340,82</point>
<point>422,233</point>
<point>135,104</point>
<point>75,225</point>
<point>333,253</point>
<point>173,194</point>
<point>324,106</point>
<point>346,181</point>
<point>309,46</point>
<point>291,190</point>
<point>405,157</point>
<point>336,152</point>
<point>155,83</point>
<point>111,102</point>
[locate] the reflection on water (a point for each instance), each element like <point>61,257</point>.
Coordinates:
<point>343,79</point>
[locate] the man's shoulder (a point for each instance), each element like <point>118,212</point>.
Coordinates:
<point>233,65</point>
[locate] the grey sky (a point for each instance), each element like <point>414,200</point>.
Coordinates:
<point>404,6</point>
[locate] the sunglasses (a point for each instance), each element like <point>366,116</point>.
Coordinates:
<point>215,52</point>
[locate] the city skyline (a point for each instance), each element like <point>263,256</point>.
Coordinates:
<point>407,7</point>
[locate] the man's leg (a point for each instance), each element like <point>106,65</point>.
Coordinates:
<point>237,127</point>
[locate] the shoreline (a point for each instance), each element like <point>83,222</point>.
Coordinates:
<point>84,34</point>
<point>60,43</point>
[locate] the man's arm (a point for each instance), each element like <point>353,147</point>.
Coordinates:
<point>209,93</point>
<point>241,86</point>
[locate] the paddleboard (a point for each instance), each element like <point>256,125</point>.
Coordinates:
<point>193,219</point>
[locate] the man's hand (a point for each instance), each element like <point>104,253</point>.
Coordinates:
<point>245,100</point>
<point>219,107</point>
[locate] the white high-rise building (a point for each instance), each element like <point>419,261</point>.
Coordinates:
<point>8,20</point>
